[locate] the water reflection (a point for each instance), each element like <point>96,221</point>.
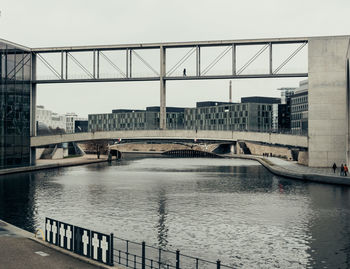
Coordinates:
<point>234,210</point>
<point>162,215</point>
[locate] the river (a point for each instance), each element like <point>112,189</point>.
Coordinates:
<point>228,209</point>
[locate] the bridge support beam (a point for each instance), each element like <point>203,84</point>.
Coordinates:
<point>162,107</point>
<point>328,101</point>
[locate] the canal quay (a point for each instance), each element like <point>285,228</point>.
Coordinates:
<point>233,210</point>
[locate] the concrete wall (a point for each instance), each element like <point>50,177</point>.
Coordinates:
<point>58,154</point>
<point>38,153</point>
<point>328,120</point>
<point>259,149</point>
<point>303,157</point>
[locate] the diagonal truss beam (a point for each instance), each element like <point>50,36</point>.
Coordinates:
<point>48,65</point>
<point>289,58</point>
<point>82,67</point>
<point>252,59</point>
<point>113,64</point>
<point>15,70</point>
<point>181,61</point>
<point>145,62</point>
<point>216,60</point>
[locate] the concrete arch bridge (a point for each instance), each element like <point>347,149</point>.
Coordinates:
<point>237,140</point>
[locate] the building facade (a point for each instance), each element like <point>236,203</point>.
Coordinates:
<point>299,109</point>
<point>81,126</point>
<point>70,122</point>
<point>50,119</point>
<point>15,86</point>
<point>229,116</point>
<point>125,119</point>
<point>284,109</point>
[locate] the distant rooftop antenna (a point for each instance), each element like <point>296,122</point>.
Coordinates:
<point>230,92</point>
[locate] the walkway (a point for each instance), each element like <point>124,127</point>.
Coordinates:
<point>19,249</point>
<point>294,166</point>
<point>294,170</point>
<point>49,164</point>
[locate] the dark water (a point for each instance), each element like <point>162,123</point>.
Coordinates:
<point>232,210</point>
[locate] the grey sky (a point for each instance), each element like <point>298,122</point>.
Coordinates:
<point>39,23</point>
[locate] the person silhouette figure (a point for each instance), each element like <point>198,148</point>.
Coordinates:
<point>334,167</point>
<point>184,73</point>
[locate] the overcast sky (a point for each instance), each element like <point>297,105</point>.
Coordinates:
<point>39,23</point>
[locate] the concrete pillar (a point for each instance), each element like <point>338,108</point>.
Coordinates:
<point>33,91</point>
<point>32,156</point>
<point>162,107</point>
<point>348,104</point>
<point>328,101</point>
<point>232,149</point>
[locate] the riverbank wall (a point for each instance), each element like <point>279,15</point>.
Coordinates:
<point>51,164</point>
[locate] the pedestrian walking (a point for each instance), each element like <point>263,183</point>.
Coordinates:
<point>98,152</point>
<point>346,170</point>
<point>334,167</point>
<point>184,72</point>
<point>342,169</point>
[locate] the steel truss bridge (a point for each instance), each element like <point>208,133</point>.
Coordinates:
<point>67,58</point>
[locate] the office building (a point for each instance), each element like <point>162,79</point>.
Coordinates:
<point>299,109</point>
<point>80,126</point>
<point>15,86</point>
<point>252,114</point>
<point>50,119</point>
<point>127,119</point>
<point>284,109</point>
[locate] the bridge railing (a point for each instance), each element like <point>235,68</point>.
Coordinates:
<point>269,131</point>
<point>140,255</point>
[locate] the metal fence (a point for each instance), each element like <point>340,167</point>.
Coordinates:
<point>141,256</point>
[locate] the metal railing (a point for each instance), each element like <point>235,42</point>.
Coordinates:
<point>141,256</point>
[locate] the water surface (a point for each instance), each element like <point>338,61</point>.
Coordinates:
<point>232,210</point>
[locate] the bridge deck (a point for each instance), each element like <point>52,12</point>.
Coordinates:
<point>218,136</point>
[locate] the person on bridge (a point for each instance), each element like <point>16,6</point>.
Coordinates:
<point>346,170</point>
<point>334,167</point>
<point>341,169</point>
<point>184,72</point>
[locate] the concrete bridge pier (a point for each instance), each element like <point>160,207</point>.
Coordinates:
<point>233,149</point>
<point>328,129</point>
<point>162,107</point>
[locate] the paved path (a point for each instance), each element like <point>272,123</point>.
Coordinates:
<point>49,164</point>
<point>18,250</point>
<point>294,170</point>
<point>294,166</point>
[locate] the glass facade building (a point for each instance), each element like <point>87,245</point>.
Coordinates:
<point>15,86</point>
